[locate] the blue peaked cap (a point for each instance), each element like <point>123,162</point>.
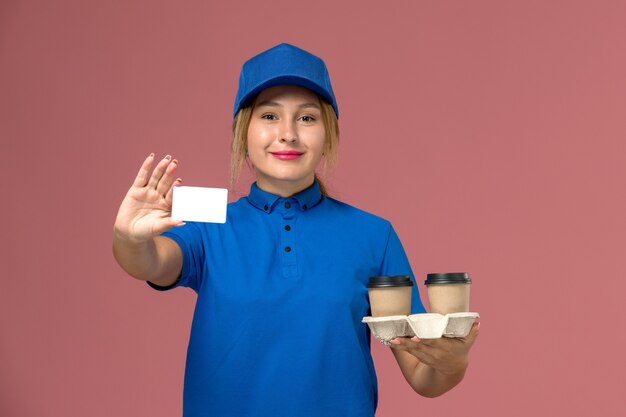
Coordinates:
<point>283,64</point>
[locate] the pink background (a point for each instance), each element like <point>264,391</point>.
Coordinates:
<point>491,133</point>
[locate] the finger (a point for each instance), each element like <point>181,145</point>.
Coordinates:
<point>168,197</point>
<point>159,171</point>
<point>473,334</point>
<point>427,345</point>
<point>431,349</point>
<point>408,344</point>
<point>413,348</point>
<point>144,172</point>
<point>425,342</point>
<point>167,224</point>
<point>167,179</point>
<point>395,344</point>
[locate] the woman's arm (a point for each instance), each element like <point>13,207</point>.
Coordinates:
<point>158,260</point>
<point>144,214</point>
<point>434,366</point>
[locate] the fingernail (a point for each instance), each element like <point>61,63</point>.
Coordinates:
<point>151,155</point>
<point>415,339</point>
<point>168,157</point>
<point>394,341</point>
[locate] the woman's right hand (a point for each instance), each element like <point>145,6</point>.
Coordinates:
<point>146,210</point>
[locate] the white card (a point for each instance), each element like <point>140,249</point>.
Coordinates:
<point>199,204</point>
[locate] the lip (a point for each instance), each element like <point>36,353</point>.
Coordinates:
<point>287,155</point>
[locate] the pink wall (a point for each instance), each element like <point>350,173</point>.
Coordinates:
<point>491,133</point>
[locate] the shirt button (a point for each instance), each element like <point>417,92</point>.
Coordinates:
<point>265,207</point>
<point>287,204</point>
<point>287,249</point>
<point>287,228</point>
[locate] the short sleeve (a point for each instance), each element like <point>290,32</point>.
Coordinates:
<point>190,240</point>
<point>395,262</point>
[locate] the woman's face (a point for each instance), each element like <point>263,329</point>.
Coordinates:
<point>286,139</point>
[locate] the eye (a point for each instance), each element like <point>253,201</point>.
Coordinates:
<point>268,116</point>
<point>307,119</point>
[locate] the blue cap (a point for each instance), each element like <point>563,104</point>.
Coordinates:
<point>283,64</point>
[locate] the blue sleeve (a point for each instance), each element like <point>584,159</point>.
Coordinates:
<point>190,240</point>
<point>395,262</point>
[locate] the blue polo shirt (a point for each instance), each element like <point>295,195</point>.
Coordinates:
<point>282,289</point>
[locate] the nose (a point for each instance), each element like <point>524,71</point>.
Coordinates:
<point>288,132</point>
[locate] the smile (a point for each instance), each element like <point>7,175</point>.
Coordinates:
<point>287,155</point>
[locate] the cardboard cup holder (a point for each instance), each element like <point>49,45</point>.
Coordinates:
<point>428,325</point>
<point>388,327</point>
<point>459,324</point>
<point>424,326</point>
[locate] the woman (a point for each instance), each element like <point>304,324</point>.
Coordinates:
<point>282,284</point>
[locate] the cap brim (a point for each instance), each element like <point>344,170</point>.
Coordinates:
<point>285,80</point>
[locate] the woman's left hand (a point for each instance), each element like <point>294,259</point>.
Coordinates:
<point>449,356</point>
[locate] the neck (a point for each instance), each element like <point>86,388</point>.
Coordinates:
<point>284,188</point>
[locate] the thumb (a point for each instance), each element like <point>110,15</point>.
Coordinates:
<point>474,332</point>
<point>167,224</point>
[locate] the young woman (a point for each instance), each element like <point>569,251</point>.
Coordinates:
<point>282,285</point>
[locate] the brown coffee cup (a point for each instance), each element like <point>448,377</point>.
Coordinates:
<point>448,292</point>
<point>390,295</point>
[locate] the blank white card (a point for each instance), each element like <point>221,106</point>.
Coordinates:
<point>199,204</point>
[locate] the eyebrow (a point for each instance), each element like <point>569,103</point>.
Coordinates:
<point>270,103</point>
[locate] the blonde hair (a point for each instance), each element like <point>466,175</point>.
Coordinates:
<point>239,144</point>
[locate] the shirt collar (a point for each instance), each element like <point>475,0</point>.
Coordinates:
<point>306,199</point>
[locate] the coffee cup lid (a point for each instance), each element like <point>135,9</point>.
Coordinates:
<point>448,278</point>
<point>390,281</point>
